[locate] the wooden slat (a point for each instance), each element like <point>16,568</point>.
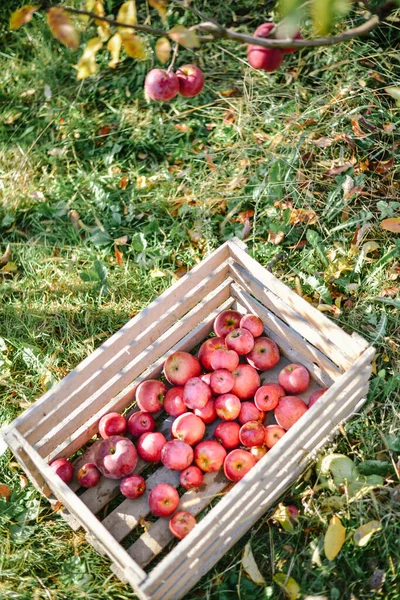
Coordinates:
<point>329,330</point>
<point>92,365</point>
<point>61,430</point>
<point>292,344</point>
<point>124,398</point>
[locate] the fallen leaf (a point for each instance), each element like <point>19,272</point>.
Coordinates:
<point>184,36</point>
<point>6,256</point>
<point>183,128</point>
<point>210,162</point>
<point>382,166</point>
<point>144,523</point>
<point>114,47</point>
<point>369,247</point>
<point>389,127</point>
<point>394,92</point>
<point>282,516</point>
<point>161,7</point>
<point>376,76</point>
<point>275,238</point>
<point>5,491</point>
<point>180,272</point>
<point>123,184</point>
<point>302,215</point>
<point>23,482</point>
<point>74,218</point>
<point>163,49</point>
<point>121,241</point>
<point>250,567</point>
<point>390,292</point>
<point>332,308</point>
<point>376,581</point>
<point>289,585</point>
<point>87,65</point>
<point>127,15</point>
<point>62,28</point>
<point>338,170</point>
<point>244,216</point>
<point>119,257</point>
<point>22,15</point>
<point>343,137</point>
<point>363,534</point>
<point>392,224</point>
<point>246,229</point>
<point>229,117</point>
<point>10,267</point>
<point>57,506</point>
<point>134,46</point>
<point>231,92</point>
<point>156,273</point>
<point>334,538</point>
<point>323,142</point>
<point>358,132</point>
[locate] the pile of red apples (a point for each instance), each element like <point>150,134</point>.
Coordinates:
<point>221,384</point>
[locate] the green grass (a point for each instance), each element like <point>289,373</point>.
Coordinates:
<point>192,167</point>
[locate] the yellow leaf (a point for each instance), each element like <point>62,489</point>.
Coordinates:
<point>103,30</point>
<point>89,6</point>
<point>133,46</point>
<point>363,534</point>
<point>163,49</point>
<point>87,63</point>
<point>288,585</point>
<point>369,247</point>
<point>249,565</point>
<point>184,36</point>
<point>392,224</point>
<point>394,92</point>
<point>161,8</point>
<point>114,47</point>
<point>282,515</point>
<point>62,28</point>
<point>127,15</point>
<point>22,15</point>
<point>334,538</point>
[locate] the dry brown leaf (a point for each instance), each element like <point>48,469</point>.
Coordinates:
<point>302,215</point>
<point>6,256</point>
<point>183,127</point>
<point>57,506</point>
<point>390,292</point>
<point>358,132</point>
<point>123,184</point>
<point>228,93</point>
<point>87,65</point>
<point>210,162</point>
<point>121,241</point>
<point>127,15</point>
<point>392,224</point>
<point>161,7</point>
<point>334,539</point>
<point>180,272</point>
<point>382,166</point>
<point>246,229</point>
<point>134,46</point>
<point>184,36</point>
<point>389,127</point>
<point>22,15</point>
<point>323,142</point>
<point>343,137</point>
<point>114,47</point>
<point>23,482</point>
<point>229,117</point>
<point>5,491</point>
<point>338,170</point>
<point>275,238</point>
<point>119,257</point>
<point>74,218</point>
<point>377,76</point>
<point>163,50</point>
<point>243,216</point>
<point>331,308</point>
<point>62,28</point>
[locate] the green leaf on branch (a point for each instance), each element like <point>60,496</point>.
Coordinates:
<point>324,13</point>
<point>127,15</point>
<point>184,36</point>
<point>62,28</point>
<point>22,15</point>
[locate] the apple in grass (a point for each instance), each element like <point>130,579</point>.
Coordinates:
<point>182,523</point>
<point>273,433</point>
<point>208,348</point>
<point>267,59</point>
<point>240,340</point>
<point>180,367</point>
<point>207,414</point>
<point>252,434</point>
<point>112,424</point>
<point>163,500</point>
<point>238,463</point>
<point>196,393</point>
<point>294,379</point>
<point>222,358</point>
<point>132,486</point>
<point>221,381</point>
<point>316,396</point>
<point>63,468</point>
<point>189,428</point>
<point>150,395</point>
<point>149,446</point>
<point>192,477</point>
<point>209,456</point>
<point>161,85</point>
<point>173,402</point>
<point>140,422</point>
<point>177,455</point>
<point>116,457</point>
<point>253,324</point>
<point>247,382</point>
<point>264,355</point>
<point>227,407</point>
<point>267,396</point>
<point>250,412</point>
<point>88,475</point>
<point>227,434</point>
<point>226,321</point>
<point>191,80</point>
<point>289,410</point>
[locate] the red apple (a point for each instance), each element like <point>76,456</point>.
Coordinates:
<point>316,396</point>
<point>267,396</point>
<point>226,322</point>
<point>238,463</point>
<point>253,324</point>
<point>181,524</point>
<point>250,412</point>
<point>228,407</point>
<point>140,422</point>
<point>258,452</point>
<point>222,358</point>
<point>112,424</point>
<point>252,434</point>
<point>240,340</point>
<point>207,414</point>
<point>116,457</point>
<point>161,85</point>
<point>88,475</point>
<point>273,434</point>
<point>209,456</point>
<point>189,428</point>
<point>227,434</point>
<point>150,395</point>
<point>192,477</point>
<point>132,486</point>
<point>264,355</point>
<point>149,446</point>
<point>63,468</point>
<point>181,366</point>
<point>163,500</point>
<point>191,80</point>
<point>207,349</point>
<point>294,379</point>
<point>267,59</point>
<point>177,455</point>
<point>196,393</point>
<point>247,382</point>
<point>221,381</point>
<point>289,410</point>
<point>173,402</point>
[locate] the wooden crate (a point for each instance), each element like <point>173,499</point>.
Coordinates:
<point>66,418</point>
